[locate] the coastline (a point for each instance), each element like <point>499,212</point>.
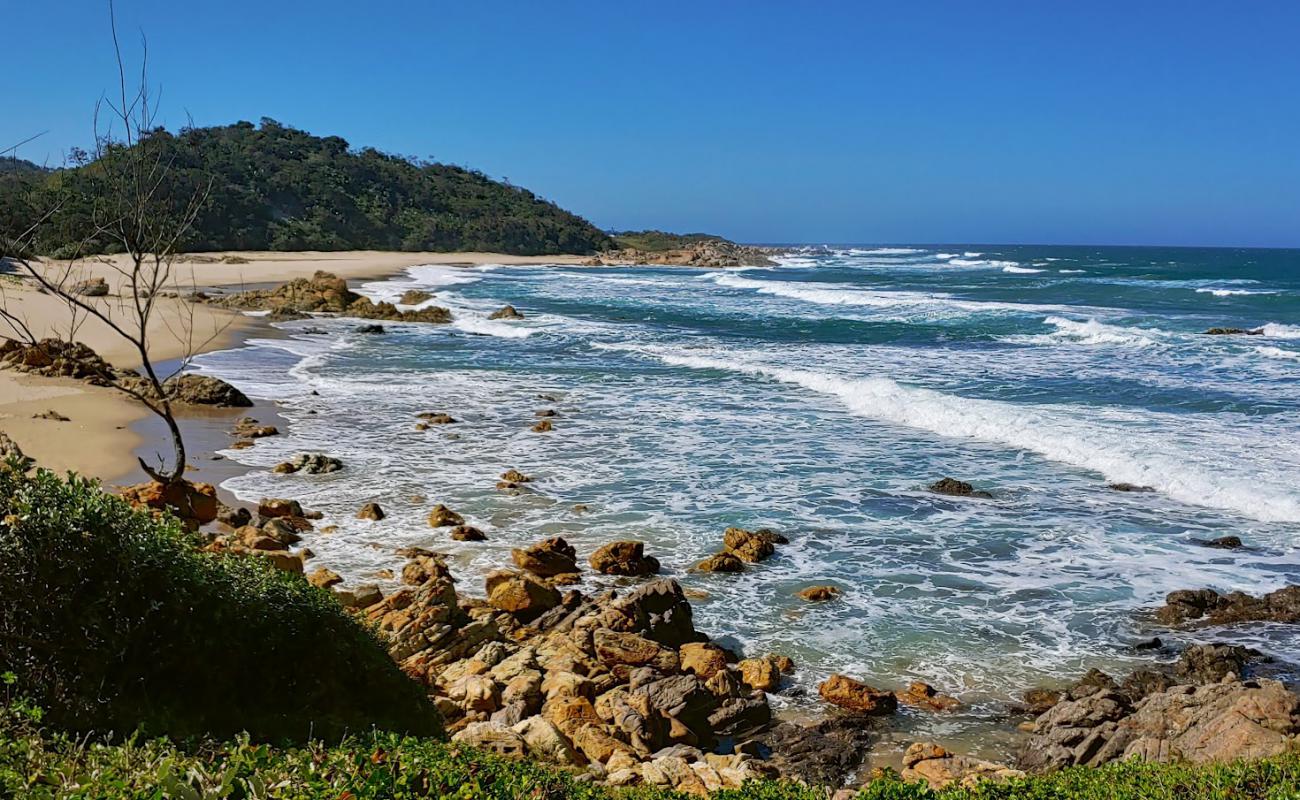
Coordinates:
<point>105,430</point>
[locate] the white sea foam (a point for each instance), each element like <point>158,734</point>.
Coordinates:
<point>990,264</point>
<point>1093,332</point>
<point>1278,331</point>
<point>469,316</point>
<point>1190,466</point>
<point>946,255</point>
<point>1229,292</point>
<point>1021,270</point>
<point>1071,271</point>
<point>913,302</point>
<point>1277,352</point>
<point>969,254</point>
<point>886,251</point>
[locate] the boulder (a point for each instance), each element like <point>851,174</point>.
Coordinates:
<point>739,715</point>
<point>371,328</point>
<point>752,546</point>
<point>443,517</point>
<point>1211,663</point>
<point>542,426</point>
<point>925,761</point>
<point>359,596</point>
<point>818,594</point>
<point>1234,332</point>
<point>1206,606</point>
<point>545,742</point>
<point>1222,543</point>
<point>437,418</point>
<point>12,454</point>
<point>414,297</point>
<point>506,312</point>
<point>623,558</point>
<point>827,753</point>
<point>515,476</point>
<point>205,390</point>
<point>1130,487</point>
<point>521,595</point>
<point>233,517</point>
<point>371,511</point>
<point>311,464</point>
<point>721,562</point>
<point>922,695</point>
<point>856,696</point>
<point>194,504</point>
<point>760,673</point>
<point>272,507</point>
<point>615,649</point>
<point>547,558</point>
<point>324,578</point>
<point>704,659</point>
<point>956,488</point>
<point>493,737</point>
<point>658,610</point>
<point>467,533</point>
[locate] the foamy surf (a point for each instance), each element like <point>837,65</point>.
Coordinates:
<point>1122,450</point>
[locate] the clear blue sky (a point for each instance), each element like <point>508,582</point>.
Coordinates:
<point>1090,122</point>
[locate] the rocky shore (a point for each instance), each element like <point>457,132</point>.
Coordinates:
<point>705,253</point>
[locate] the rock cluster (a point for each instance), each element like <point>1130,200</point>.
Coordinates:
<point>1203,711</point>
<point>623,558</point>
<point>622,686</point>
<point>193,389</point>
<point>1234,332</point>
<point>310,464</point>
<point>195,504</point>
<point>1207,606</point>
<point>326,293</point>
<point>740,546</point>
<point>279,526</point>
<point>56,358</point>
<point>506,312</point>
<point>704,253</point>
<point>925,761</point>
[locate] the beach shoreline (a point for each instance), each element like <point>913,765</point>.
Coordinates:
<point>106,430</point>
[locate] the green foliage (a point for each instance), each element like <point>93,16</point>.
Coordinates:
<point>658,241</point>
<point>114,620</point>
<point>271,187</point>
<point>41,766</point>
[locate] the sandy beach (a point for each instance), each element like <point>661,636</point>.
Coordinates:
<point>97,439</point>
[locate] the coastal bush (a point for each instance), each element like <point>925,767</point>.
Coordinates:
<point>38,764</point>
<point>113,620</point>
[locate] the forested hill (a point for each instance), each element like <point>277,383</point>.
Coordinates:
<point>277,188</point>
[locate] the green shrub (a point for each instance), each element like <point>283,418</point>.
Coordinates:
<point>113,621</point>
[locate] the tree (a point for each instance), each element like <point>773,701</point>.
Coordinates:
<point>129,197</point>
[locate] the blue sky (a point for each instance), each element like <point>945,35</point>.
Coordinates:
<point>1097,122</point>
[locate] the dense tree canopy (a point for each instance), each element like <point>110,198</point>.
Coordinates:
<point>272,187</point>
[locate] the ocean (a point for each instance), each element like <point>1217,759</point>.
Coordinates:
<point>820,397</point>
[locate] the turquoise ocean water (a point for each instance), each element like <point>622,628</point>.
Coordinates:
<point>820,397</point>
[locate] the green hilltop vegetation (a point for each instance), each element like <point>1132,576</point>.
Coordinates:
<point>659,241</point>
<point>272,187</point>
<point>241,682</point>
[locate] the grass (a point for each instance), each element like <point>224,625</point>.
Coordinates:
<point>658,241</point>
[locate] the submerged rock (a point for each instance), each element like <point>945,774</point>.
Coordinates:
<point>956,488</point>
<point>819,594</point>
<point>1129,487</point>
<point>1235,332</point>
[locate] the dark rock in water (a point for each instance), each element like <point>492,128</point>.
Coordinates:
<point>467,533</point>
<point>1153,643</point>
<point>311,464</point>
<point>285,315</point>
<point>313,331</point>
<point>1234,332</point>
<point>828,753</point>
<point>819,594</point>
<point>1129,487</point>
<point>506,312</point>
<point>414,297</point>
<point>1222,543</point>
<point>1211,663</point>
<point>547,558</point>
<point>721,562</point>
<point>371,511</point>
<point>956,488</point>
<point>1209,607</point>
<point>369,329</point>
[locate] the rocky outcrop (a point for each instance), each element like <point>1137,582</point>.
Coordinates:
<point>414,297</point>
<point>925,761</point>
<point>1200,710</point>
<point>622,685</point>
<point>826,753</point>
<point>1208,607</point>
<point>623,558</point>
<point>325,293</point>
<point>920,694</point>
<point>56,358</point>
<point>956,488</point>
<point>12,454</point>
<point>703,253</point>
<point>1235,332</point>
